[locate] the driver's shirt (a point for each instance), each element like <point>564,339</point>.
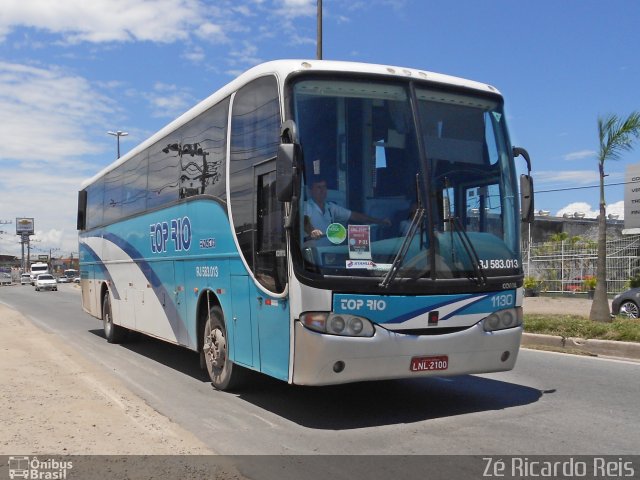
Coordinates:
<point>333,213</point>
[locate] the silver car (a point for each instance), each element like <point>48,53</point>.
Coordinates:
<point>45,281</point>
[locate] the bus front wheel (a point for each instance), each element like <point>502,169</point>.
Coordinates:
<point>113,333</point>
<point>224,374</point>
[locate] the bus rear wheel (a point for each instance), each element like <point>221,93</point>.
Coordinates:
<point>224,374</point>
<point>113,333</point>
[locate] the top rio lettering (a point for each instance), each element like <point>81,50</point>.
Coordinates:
<point>357,304</point>
<point>176,231</point>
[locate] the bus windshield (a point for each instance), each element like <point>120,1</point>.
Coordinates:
<point>414,179</point>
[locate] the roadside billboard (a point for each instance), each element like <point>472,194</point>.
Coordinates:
<point>632,198</point>
<point>25,226</point>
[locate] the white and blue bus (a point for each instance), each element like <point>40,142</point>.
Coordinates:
<point>202,235</point>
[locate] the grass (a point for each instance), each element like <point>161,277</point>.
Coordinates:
<point>621,329</point>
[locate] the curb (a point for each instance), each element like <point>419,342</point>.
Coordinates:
<point>607,348</point>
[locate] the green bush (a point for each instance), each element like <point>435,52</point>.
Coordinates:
<point>589,283</point>
<point>531,283</point>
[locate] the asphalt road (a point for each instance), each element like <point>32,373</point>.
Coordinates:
<point>549,404</point>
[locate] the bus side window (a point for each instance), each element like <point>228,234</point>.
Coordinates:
<point>255,136</point>
<point>270,267</point>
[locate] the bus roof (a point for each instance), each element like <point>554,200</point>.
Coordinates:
<point>282,69</point>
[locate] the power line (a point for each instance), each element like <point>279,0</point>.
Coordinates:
<point>582,188</point>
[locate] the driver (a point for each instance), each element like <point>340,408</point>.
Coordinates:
<point>319,213</point>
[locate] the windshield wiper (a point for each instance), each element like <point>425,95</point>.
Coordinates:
<point>411,232</point>
<point>480,275</point>
<point>455,225</point>
<point>402,252</point>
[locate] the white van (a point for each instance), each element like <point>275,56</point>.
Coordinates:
<point>25,279</point>
<point>37,269</point>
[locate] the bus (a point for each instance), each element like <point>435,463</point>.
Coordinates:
<point>201,236</point>
<point>37,269</point>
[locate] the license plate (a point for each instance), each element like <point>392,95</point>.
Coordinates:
<point>425,364</point>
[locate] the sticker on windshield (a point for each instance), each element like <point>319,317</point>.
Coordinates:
<point>367,265</point>
<point>360,242</point>
<point>336,233</point>
<point>497,116</point>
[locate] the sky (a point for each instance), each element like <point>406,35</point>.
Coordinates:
<point>72,70</point>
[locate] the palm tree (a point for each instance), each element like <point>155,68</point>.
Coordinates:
<point>616,136</point>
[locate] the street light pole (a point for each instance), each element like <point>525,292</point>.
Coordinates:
<point>319,32</point>
<point>118,134</point>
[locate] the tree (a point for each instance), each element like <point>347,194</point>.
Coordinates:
<point>559,237</point>
<point>616,136</point>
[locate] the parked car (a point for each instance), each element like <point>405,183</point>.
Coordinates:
<point>64,279</point>
<point>5,278</point>
<point>627,303</point>
<point>76,280</point>
<point>45,281</point>
<point>25,279</point>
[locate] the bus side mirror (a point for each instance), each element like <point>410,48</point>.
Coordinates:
<point>526,187</point>
<point>286,162</point>
<point>82,209</point>
<point>517,151</point>
<point>526,198</point>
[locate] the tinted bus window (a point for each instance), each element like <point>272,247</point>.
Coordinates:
<point>255,129</point>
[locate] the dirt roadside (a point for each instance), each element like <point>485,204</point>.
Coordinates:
<point>53,401</point>
<point>558,305</point>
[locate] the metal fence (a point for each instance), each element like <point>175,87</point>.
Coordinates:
<point>563,266</point>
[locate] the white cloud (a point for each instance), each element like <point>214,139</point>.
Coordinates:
<point>47,195</point>
<point>97,21</point>
<point>578,207</point>
<point>579,177</point>
<point>579,155</point>
<point>616,208</point>
<point>48,119</point>
<point>195,55</point>
<point>297,8</point>
<point>210,31</point>
<point>246,55</point>
<point>169,101</point>
<point>45,114</point>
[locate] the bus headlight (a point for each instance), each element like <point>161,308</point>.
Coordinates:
<point>337,324</point>
<point>509,318</point>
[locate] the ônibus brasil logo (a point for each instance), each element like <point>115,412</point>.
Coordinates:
<point>36,469</point>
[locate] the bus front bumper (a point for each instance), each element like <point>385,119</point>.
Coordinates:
<point>321,359</point>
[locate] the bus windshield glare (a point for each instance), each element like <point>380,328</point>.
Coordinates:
<point>404,177</point>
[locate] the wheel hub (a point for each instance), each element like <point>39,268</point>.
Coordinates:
<point>215,348</point>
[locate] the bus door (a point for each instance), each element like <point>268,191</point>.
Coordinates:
<point>180,302</point>
<point>270,266</point>
<point>242,322</point>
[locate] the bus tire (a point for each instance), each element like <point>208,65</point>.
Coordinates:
<point>224,374</point>
<point>112,332</point>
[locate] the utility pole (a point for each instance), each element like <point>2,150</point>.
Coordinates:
<point>319,33</point>
<point>29,247</point>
